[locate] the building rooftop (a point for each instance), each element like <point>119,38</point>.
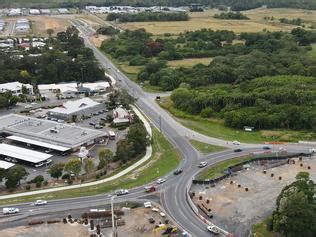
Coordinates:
<point>12,86</point>
<point>47,131</point>
<point>23,154</point>
<point>5,165</point>
<point>74,106</point>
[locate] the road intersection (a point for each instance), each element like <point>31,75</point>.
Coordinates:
<point>174,190</point>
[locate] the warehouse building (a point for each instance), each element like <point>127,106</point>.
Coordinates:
<point>77,108</point>
<point>16,88</point>
<point>47,134</point>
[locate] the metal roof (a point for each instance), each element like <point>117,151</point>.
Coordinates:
<point>23,154</point>
<point>74,106</point>
<point>5,165</point>
<point>38,143</point>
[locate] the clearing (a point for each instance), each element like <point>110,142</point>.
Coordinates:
<point>40,24</point>
<point>204,19</point>
<point>189,62</point>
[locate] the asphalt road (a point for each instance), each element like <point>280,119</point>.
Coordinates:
<point>173,191</point>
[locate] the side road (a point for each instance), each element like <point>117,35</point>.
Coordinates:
<point>116,176</point>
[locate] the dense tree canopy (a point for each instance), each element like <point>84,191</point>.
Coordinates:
<point>68,60</point>
<point>295,215</point>
<point>147,16</point>
<point>231,15</point>
<point>268,102</point>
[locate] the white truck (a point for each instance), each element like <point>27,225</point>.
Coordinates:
<point>10,210</point>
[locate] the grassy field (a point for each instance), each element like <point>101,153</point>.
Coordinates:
<point>218,170</point>
<point>189,62</point>
<point>204,19</point>
<point>216,128</point>
<point>206,148</point>
<point>165,159</point>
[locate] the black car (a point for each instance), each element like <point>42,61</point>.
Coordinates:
<point>178,172</point>
<point>238,150</point>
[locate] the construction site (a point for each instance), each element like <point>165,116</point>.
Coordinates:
<point>249,195</point>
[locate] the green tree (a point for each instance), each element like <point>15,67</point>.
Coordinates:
<point>295,215</point>
<point>105,156</point>
<point>74,166</point>
<point>14,176</point>
<point>50,32</point>
<point>88,165</point>
<point>56,171</point>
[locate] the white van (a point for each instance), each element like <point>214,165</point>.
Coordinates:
<point>10,210</point>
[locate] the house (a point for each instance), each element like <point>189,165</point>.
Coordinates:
<point>16,88</point>
<point>121,116</point>
<point>77,108</point>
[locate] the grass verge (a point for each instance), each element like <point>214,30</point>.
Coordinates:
<point>218,170</point>
<point>216,128</point>
<point>206,148</point>
<point>260,230</point>
<point>165,158</point>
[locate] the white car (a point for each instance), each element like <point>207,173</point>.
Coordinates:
<point>10,210</point>
<point>40,164</point>
<point>160,181</point>
<point>213,229</point>
<point>236,142</point>
<point>202,164</point>
<point>40,202</point>
<point>121,192</point>
<point>28,106</point>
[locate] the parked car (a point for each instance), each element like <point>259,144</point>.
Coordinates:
<point>213,229</point>
<point>28,106</point>
<point>160,181</point>
<point>92,123</point>
<point>121,192</point>
<point>48,161</point>
<point>151,220</point>
<point>10,210</point>
<point>236,142</point>
<point>40,164</point>
<point>98,126</point>
<point>202,164</point>
<point>238,150</point>
<point>40,202</point>
<point>179,171</point>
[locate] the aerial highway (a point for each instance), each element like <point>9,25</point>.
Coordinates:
<point>173,191</point>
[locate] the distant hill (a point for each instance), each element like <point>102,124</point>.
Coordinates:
<point>235,4</point>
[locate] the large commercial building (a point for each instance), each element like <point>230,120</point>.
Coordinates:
<point>77,108</point>
<point>47,134</point>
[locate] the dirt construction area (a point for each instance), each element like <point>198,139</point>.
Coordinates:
<point>249,195</point>
<point>51,230</point>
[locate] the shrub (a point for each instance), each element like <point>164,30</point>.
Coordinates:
<point>28,187</point>
<point>38,179</point>
<point>38,184</point>
<point>45,183</point>
<point>69,181</point>
<point>65,176</point>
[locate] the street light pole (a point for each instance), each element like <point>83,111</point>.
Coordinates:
<point>112,211</point>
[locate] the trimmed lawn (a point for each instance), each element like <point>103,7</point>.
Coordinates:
<point>206,148</point>
<point>165,158</point>
<point>218,170</point>
<point>216,128</point>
